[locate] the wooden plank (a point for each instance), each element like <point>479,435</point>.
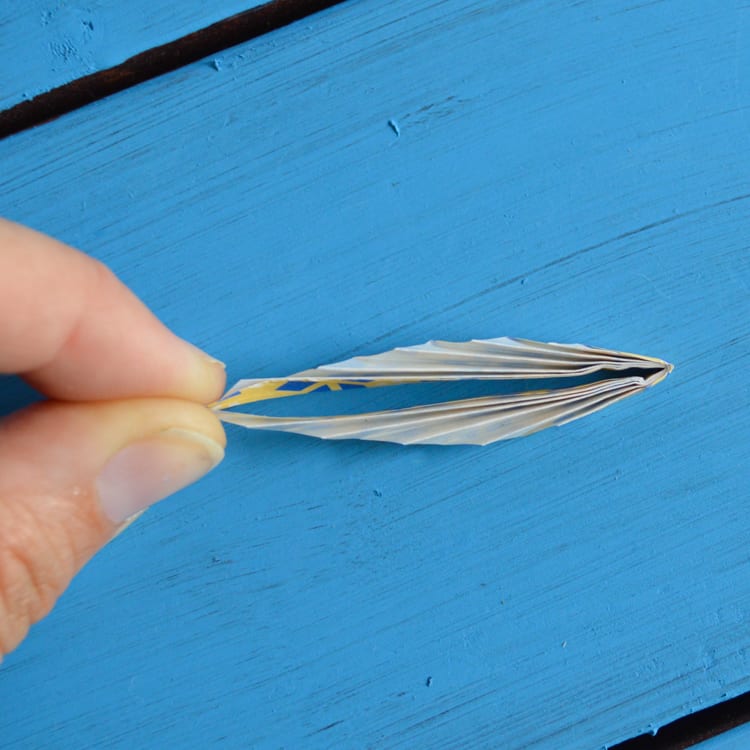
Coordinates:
<point>561,172</point>
<point>48,43</point>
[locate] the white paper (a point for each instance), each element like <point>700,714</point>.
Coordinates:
<point>474,421</point>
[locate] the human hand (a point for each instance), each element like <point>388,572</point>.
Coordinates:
<point>125,425</point>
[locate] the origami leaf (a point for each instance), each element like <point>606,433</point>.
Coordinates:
<point>475,421</point>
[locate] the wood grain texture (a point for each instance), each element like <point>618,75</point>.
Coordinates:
<point>564,171</point>
<point>48,43</point>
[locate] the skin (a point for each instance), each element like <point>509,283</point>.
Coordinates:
<point>113,374</point>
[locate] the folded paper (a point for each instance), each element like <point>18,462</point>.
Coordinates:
<point>473,421</point>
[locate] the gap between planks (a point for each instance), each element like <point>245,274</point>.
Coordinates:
<point>157,61</point>
<point>689,731</point>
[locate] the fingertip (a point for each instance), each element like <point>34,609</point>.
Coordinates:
<point>93,339</point>
<point>205,378</point>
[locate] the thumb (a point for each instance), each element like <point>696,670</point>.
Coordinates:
<point>71,474</point>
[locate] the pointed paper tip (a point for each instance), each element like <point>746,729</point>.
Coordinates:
<point>657,377</point>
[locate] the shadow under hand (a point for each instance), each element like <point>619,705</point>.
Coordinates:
<point>15,394</point>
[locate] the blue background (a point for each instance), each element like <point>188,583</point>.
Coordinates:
<point>564,172</point>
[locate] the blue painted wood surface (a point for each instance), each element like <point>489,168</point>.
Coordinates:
<point>48,43</point>
<point>563,172</point>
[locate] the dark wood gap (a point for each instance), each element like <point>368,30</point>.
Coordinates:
<point>156,61</point>
<point>694,728</point>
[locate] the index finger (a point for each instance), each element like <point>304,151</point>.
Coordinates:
<point>73,330</point>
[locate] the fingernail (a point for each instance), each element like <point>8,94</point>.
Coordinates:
<point>127,522</point>
<point>151,469</point>
<point>214,361</point>
<point>207,357</point>
<point>207,376</point>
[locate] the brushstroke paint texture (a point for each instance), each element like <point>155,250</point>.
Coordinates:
<point>48,43</point>
<point>564,172</point>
